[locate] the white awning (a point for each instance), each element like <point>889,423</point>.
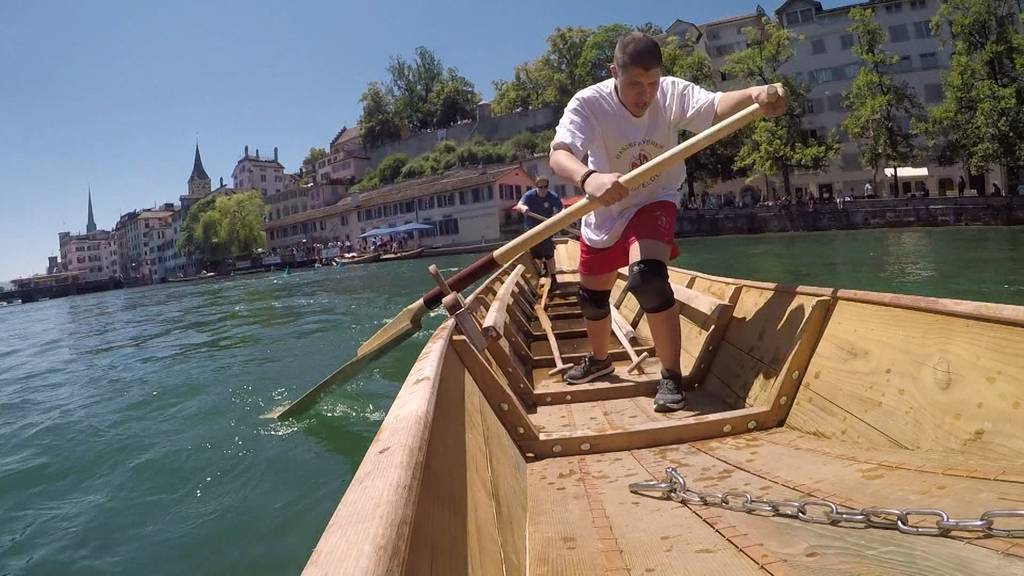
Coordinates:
<point>908,172</point>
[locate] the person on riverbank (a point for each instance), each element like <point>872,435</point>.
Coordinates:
<point>868,191</point>
<point>961,185</point>
<point>618,125</point>
<point>996,190</point>
<point>542,203</point>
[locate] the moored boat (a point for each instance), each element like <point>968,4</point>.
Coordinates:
<point>193,278</point>
<point>846,408</point>
<point>359,259</point>
<point>407,255</point>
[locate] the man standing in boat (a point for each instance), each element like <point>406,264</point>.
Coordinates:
<point>540,202</point>
<point>618,125</point>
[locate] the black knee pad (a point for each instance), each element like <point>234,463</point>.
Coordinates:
<point>648,282</point>
<point>594,303</point>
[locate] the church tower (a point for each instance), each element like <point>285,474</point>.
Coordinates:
<point>199,181</point>
<point>90,226</point>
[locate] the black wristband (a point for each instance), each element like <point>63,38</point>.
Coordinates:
<point>583,179</point>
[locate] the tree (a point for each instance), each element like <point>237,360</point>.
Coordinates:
<point>378,123</point>
<point>315,155</point>
<point>390,167</point>
<point>221,226</point>
<point>981,117</point>
<point>452,100</point>
<point>776,146</point>
<point>879,107</point>
<point>716,161</point>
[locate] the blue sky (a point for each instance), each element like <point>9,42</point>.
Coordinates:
<point>114,94</point>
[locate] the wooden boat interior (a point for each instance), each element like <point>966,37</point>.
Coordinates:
<point>489,464</point>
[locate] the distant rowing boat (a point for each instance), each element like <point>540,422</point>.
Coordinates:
<point>193,278</point>
<point>408,255</point>
<point>359,259</point>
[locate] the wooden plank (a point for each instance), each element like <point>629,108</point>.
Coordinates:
<point>713,288</point>
<point>696,307</point>
<point>745,376</point>
<point>563,539</point>
<point>494,323</point>
<point>928,381</point>
<point>783,391</point>
<point>440,531</point>
<point>505,404</point>
<point>511,369</point>
<point>553,418</point>
<point>483,540</point>
<point>765,323</point>
<point>508,488</point>
<point>553,347</point>
<point>804,548</point>
<point>369,531</point>
<point>644,435</point>
<point>656,536</point>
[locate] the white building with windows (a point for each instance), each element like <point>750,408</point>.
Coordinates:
<point>464,206</point>
<point>824,62</point>
<point>256,173</point>
<point>92,255</point>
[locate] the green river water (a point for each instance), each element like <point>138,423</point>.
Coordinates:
<point>130,437</point>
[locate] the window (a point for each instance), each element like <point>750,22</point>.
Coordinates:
<point>922,29</point>
<point>894,8</point>
<point>929,60</point>
<point>263,177</point>
<point>560,190</point>
<point>724,76</point>
<point>519,191</point>
<point>793,18</point>
<point>715,35</point>
<point>462,197</point>
<point>807,15</point>
<point>851,70</point>
<point>723,50</point>
<point>447,227</point>
<point>322,226</point>
<point>898,33</point>
<point>476,195</point>
<point>344,220</point>
<point>809,106</point>
<point>846,41</point>
<point>490,193</point>
<point>904,65</point>
<point>818,46</point>
<point>932,93</point>
<point>918,4</point>
<point>835,102</point>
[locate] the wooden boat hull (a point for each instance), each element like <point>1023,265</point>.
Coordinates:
<point>486,464</point>
<point>359,259</point>
<point>409,255</point>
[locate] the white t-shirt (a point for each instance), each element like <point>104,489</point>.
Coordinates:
<point>597,124</point>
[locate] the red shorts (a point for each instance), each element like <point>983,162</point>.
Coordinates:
<point>655,221</point>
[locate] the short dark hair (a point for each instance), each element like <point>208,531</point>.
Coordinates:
<point>638,50</point>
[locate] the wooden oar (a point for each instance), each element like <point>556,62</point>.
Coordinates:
<point>536,216</point>
<point>623,339</point>
<point>408,320</point>
<point>549,331</point>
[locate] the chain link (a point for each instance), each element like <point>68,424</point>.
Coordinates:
<point>819,511</point>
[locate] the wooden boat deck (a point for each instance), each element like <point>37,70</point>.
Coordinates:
<point>580,504</point>
<point>489,464</point>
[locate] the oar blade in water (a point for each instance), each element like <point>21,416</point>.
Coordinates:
<point>395,332</point>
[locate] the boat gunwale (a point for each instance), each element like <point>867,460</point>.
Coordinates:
<point>380,541</point>
<point>1009,314</point>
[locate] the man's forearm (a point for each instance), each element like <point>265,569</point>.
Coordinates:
<point>566,164</point>
<point>732,102</point>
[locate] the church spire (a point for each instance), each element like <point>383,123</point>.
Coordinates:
<point>198,172</point>
<point>90,226</point>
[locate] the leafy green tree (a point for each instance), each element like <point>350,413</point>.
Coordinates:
<point>378,122</point>
<point>776,146</point>
<point>390,167</point>
<point>315,155</point>
<point>221,226</point>
<point>426,95</point>
<point>880,108</point>
<point>981,118</point>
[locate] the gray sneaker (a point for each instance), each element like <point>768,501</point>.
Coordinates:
<point>588,369</point>
<point>670,395</point>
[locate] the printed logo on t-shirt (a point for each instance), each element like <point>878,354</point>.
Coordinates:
<point>638,161</point>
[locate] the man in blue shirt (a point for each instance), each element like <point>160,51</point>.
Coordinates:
<point>542,203</point>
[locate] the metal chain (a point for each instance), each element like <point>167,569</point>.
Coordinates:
<point>826,512</point>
